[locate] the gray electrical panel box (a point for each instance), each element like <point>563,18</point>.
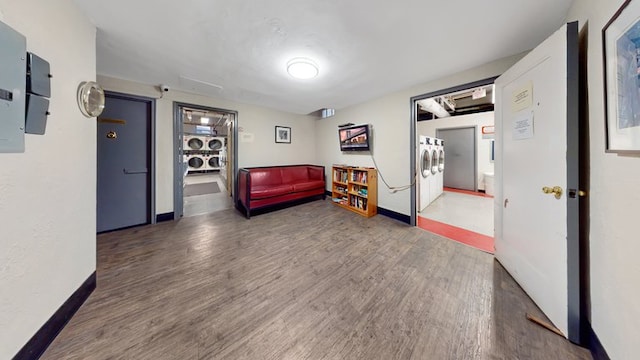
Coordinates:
<point>38,90</point>
<point>13,71</point>
<point>38,76</point>
<point>37,111</point>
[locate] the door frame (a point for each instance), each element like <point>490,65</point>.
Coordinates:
<point>413,128</point>
<point>151,138</point>
<point>475,149</point>
<point>178,179</point>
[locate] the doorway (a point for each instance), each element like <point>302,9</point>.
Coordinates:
<point>461,157</point>
<point>205,159</point>
<point>451,199</point>
<point>125,162</point>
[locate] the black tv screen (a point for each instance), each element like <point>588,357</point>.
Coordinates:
<point>355,138</point>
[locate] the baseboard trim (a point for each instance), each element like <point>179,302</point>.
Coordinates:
<point>597,350</point>
<point>37,345</point>
<point>395,215</point>
<point>165,217</point>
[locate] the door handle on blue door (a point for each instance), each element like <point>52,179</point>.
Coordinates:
<point>131,172</point>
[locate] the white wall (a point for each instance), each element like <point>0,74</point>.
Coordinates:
<point>256,120</point>
<point>483,150</point>
<point>391,118</point>
<point>614,207</point>
<point>47,194</point>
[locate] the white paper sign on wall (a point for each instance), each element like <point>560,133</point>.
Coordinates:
<point>523,125</point>
<point>247,137</point>
<point>522,98</point>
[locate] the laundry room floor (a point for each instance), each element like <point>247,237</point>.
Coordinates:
<point>205,203</point>
<point>464,217</point>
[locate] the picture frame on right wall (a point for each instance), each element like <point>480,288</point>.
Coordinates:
<point>621,50</point>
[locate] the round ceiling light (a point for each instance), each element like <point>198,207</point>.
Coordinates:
<point>302,68</point>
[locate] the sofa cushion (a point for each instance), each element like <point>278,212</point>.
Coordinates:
<point>261,192</point>
<point>294,174</point>
<point>265,177</point>
<point>308,185</point>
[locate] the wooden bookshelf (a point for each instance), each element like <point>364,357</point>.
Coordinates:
<point>355,189</point>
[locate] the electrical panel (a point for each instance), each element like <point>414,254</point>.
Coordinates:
<point>38,92</point>
<point>38,76</point>
<point>36,116</point>
<point>13,70</point>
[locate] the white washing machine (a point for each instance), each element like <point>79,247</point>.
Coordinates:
<point>433,185</point>
<point>215,143</point>
<point>195,162</point>
<point>424,167</point>
<point>440,174</point>
<point>193,142</point>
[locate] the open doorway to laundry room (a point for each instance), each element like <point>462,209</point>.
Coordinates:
<point>454,163</point>
<point>205,159</point>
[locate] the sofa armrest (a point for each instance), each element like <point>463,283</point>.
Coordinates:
<point>244,187</point>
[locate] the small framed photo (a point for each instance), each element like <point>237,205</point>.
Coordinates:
<point>283,135</point>
<point>621,46</point>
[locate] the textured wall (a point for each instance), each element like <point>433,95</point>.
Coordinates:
<point>47,194</point>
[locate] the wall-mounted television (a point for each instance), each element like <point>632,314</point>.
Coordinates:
<point>355,138</point>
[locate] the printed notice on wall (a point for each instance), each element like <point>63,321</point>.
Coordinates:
<point>522,98</point>
<point>247,137</point>
<point>523,125</point>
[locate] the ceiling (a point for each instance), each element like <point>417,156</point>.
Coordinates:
<point>238,50</point>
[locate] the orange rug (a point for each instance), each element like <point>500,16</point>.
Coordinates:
<point>468,192</point>
<point>473,239</point>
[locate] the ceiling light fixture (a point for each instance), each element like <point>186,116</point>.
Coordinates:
<point>302,68</point>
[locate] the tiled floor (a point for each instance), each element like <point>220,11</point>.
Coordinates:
<point>470,212</point>
<point>208,203</point>
<point>461,216</point>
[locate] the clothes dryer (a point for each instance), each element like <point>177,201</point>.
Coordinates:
<point>433,186</point>
<point>215,143</point>
<point>193,142</point>
<point>195,162</point>
<point>424,167</point>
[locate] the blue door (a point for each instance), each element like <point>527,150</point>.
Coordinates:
<point>124,137</point>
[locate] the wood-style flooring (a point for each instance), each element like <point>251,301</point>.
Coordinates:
<point>308,282</point>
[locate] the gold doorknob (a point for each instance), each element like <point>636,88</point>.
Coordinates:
<point>556,190</point>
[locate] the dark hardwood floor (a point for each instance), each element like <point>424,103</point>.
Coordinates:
<point>309,282</point>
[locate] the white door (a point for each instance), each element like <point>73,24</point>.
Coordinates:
<point>536,236</point>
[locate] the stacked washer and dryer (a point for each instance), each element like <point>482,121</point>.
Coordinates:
<point>431,167</point>
<point>192,152</point>
<point>215,145</point>
<point>201,152</point>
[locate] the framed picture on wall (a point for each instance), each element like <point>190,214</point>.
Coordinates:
<point>621,46</point>
<point>283,134</point>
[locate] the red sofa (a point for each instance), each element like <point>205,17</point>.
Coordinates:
<point>260,187</point>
